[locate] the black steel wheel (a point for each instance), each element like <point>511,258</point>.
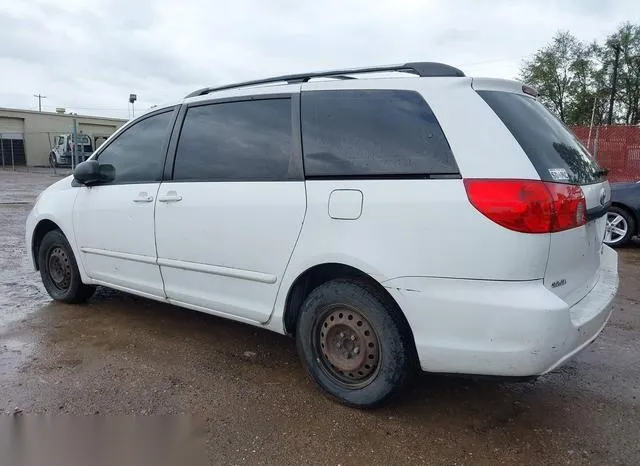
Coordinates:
<point>59,270</point>
<point>354,343</point>
<point>349,347</point>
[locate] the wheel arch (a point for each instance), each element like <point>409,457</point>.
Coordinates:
<point>318,274</point>
<point>43,227</point>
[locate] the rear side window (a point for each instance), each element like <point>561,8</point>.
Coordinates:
<point>236,141</point>
<point>554,151</point>
<point>370,133</point>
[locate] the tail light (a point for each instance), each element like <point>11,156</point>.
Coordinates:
<point>528,206</point>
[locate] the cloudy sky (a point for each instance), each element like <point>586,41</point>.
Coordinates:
<point>88,55</point>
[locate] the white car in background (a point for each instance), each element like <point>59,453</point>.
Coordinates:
<point>429,220</point>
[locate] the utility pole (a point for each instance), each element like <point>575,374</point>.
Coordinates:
<point>40,97</point>
<point>74,144</point>
<point>593,115</point>
<point>614,81</point>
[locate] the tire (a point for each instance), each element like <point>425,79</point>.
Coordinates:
<point>59,270</point>
<point>360,322</point>
<point>620,227</point>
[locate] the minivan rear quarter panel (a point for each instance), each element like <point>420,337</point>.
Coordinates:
<point>415,228</point>
<point>428,226</point>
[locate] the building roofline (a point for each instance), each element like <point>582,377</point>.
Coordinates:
<point>20,110</point>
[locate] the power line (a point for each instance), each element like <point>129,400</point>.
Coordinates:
<point>40,97</point>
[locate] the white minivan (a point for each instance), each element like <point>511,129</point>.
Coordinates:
<point>418,218</point>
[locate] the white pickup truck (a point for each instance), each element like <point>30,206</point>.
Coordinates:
<point>62,149</point>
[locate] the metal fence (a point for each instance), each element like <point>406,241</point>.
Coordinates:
<point>11,151</point>
<point>617,148</point>
<point>32,150</point>
<point>20,150</point>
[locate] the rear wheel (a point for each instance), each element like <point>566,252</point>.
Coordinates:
<point>353,343</point>
<point>620,227</point>
<point>59,270</point>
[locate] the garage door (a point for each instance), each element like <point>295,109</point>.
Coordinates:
<point>11,125</point>
<point>12,141</point>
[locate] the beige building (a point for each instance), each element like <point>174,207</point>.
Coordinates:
<point>26,136</point>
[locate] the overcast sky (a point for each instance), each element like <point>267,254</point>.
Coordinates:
<point>88,55</point>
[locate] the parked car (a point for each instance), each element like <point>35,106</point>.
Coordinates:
<point>62,149</point>
<point>337,207</point>
<point>623,217</point>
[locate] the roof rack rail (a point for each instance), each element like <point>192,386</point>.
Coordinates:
<point>422,69</point>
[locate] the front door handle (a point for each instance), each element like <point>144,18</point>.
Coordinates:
<point>171,196</point>
<point>143,197</point>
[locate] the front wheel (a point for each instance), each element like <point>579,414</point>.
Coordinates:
<point>59,270</point>
<point>619,228</point>
<point>353,343</point>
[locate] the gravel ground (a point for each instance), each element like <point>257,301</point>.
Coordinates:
<point>120,354</point>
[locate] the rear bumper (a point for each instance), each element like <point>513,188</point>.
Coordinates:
<point>502,328</point>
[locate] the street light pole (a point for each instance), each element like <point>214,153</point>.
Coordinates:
<point>593,114</point>
<point>132,99</point>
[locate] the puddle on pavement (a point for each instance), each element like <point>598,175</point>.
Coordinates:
<point>13,354</point>
<point>21,292</point>
<point>18,300</point>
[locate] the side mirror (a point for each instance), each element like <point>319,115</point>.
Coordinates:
<point>90,172</point>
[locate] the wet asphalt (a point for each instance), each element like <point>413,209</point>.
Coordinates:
<point>120,354</point>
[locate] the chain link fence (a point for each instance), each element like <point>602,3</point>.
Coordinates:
<point>12,151</point>
<point>46,151</point>
<point>616,148</point>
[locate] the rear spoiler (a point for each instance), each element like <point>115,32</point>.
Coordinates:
<point>505,85</point>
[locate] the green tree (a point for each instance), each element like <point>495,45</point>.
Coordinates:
<point>625,45</point>
<point>561,71</point>
<point>627,37</point>
<point>586,96</point>
<point>576,79</point>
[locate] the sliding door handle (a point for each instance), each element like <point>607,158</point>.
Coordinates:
<point>171,196</point>
<point>143,197</point>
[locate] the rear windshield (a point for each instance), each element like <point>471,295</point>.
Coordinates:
<point>554,151</point>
